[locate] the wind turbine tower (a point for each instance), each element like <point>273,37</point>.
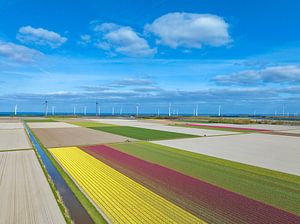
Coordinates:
<point>137,110</point>
<point>46,108</point>
<point>16,108</point>
<point>97,104</point>
<point>196,111</point>
<point>219,111</point>
<point>53,108</point>
<point>170,110</point>
<point>84,111</point>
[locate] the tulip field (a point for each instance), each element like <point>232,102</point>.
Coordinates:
<point>120,198</point>
<point>131,174</point>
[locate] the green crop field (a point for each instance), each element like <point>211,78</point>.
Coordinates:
<point>142,133</point>
<point>275,188</point>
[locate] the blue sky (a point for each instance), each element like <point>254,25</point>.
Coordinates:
<point>243,55</point>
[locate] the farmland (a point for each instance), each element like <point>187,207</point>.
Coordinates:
<point>59,137</point>
<point>253,149</point>
<point>25,194</point>
<point>121,199</point>
<point>13,136</point>
<point>136,171</point>
<point>142,133</point>
<point>275,188</point>
<point>162,127</point>
<point>194,195</point>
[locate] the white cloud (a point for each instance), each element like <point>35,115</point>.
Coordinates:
<point>84,39</point>
<point>287,74</point>
<point>122,40</point>
<point>40,36</point>
<point>189,30</point>
<point>18,52</point>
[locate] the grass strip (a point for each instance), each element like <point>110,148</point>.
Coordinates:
<point>142,133</point>
<point>278,189</point>
<point>89,207</point>
<point>56,194</point>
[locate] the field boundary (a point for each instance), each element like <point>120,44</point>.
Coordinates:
<point>55,192</point>
<point>75,182</point>
<point>87,205</point>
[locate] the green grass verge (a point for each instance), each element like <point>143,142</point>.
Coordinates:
<point>89,207</point>
<point>142,133</point>
<point>278,189</point>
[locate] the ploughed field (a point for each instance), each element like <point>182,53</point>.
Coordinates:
<point>13,136</point>
<point>25,194</point>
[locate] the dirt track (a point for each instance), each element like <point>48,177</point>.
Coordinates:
<point>25,194</point>
<point>60,137</point>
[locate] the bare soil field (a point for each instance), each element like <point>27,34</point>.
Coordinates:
<point>25,194</point>
<point>9,120</point>
<point>60,137</point>
<point>11,139</point>
<point>253,126</point>
<point>161,127</point>
<point>296,131</point>
<point>10,125</point>
<point>273,152</point>
<point>51,125</point>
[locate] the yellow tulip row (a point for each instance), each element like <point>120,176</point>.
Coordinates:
<point>119,197</point>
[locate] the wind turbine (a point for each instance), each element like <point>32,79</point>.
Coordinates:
<point>16,108</point>
<point>170,110</point>
<point>113,111</point>
<point>137,110</point>
<point>97,108</point>
<point>158,112</point>
<point>196,110</point>
<point>74,110</point>
<point>46,108</point>
<point>219,111</point>
<point>84,111</point>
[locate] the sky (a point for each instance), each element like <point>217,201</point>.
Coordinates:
<point>241,55</point>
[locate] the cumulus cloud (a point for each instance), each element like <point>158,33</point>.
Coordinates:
<point>124,40</point>
<point>17,52</point>
<point>288,74</point>
<point>40,36</point>
<point>189,30</point>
